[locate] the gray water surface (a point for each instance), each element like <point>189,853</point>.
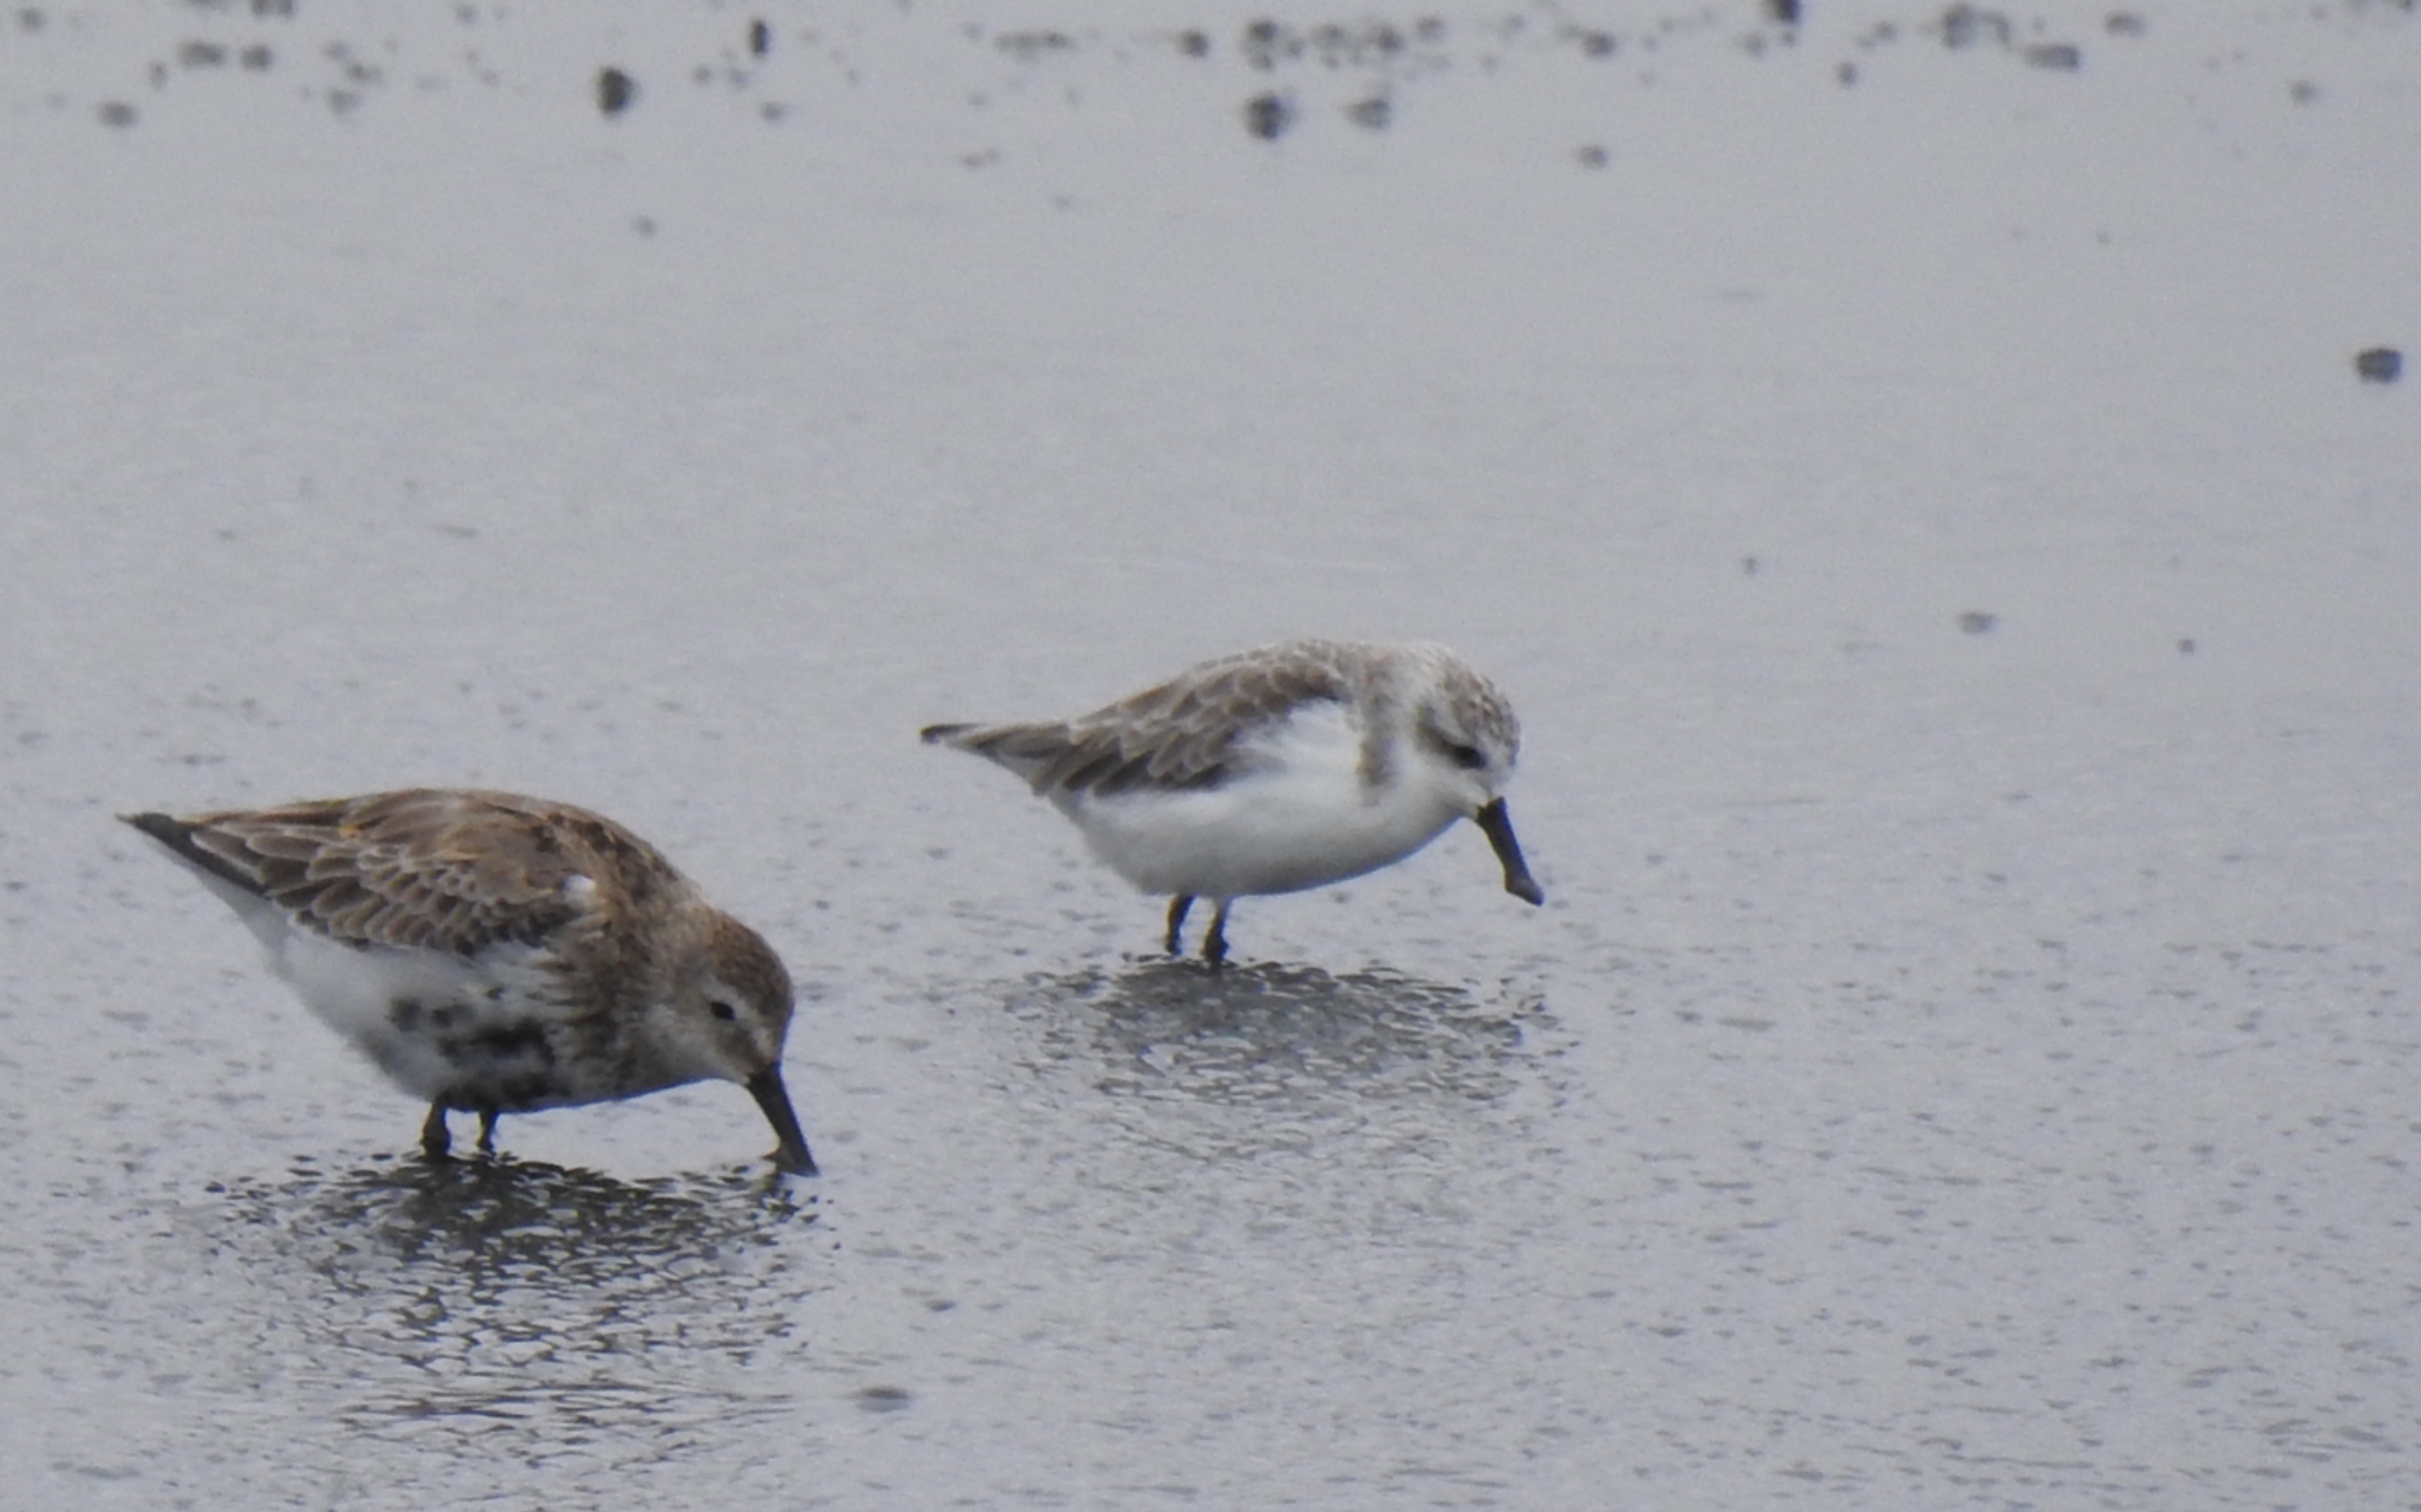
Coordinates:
<point>1958,592</point>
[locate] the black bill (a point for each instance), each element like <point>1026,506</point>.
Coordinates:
<point>766,1087</point>
<point>1498,826</point>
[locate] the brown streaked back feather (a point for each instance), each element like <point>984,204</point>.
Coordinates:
<point>422,868</point>
<point>1188,732</point>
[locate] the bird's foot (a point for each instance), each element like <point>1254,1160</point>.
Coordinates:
<point>436,1141</point>
<point>1215,944</point>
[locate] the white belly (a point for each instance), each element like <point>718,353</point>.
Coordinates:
<point>412,1011</point>
<point>403,1008</point>
<point>477,1028</point>
<point>1306,820</point>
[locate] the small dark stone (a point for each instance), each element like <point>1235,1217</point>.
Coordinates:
<point>2065,57</point>
<point>1784,11</point>
<point>1964,26</point>
<point>117,112</point>
<point>1030,45</point>
<point>1194,43</point>
<point>2380,365</point>
<point>1593,156</point>
<point>1370,113</point>
<point>616,89</point>
<point>761,39</point>
<point>1267,116</point>
<point>1976,623</point>
<point>1265,42</point>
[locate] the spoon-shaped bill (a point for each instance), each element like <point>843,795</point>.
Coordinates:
<point>1495,823</point>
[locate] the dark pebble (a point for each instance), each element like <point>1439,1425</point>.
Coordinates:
<point>616,89</point>
<point>2380,365</point>
<point>1267,117</point>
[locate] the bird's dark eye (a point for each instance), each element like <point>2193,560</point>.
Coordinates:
<point>723,1010</point>
<point>1469,757</point>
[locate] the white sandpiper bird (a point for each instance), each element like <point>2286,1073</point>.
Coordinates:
<point>1274,770</point>
<point>498,954</point>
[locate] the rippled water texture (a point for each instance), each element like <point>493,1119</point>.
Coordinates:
<point>1915,470</point>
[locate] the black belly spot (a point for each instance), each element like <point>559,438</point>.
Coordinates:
<point>523,1041</point>
<point>524,1038</point>
<point>518,1092</point>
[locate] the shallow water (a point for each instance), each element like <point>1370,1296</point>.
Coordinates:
<point>1957,588</point>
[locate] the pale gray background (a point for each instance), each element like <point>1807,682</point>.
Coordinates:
<point>1954,1070</point>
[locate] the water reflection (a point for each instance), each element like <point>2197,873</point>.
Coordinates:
<point>1267,1034</point>
<point>433,1302</point>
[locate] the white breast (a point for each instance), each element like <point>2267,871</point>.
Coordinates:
<point>356,992</point>
<point>1307,818</point>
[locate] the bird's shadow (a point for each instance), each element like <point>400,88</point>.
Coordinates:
<point>1271,1033</point>
<point>493,1215</point>
<point>411,1291</point>
<point>408,1248</point>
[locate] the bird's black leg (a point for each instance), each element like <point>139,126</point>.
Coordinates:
<point>434,1140</point>
<point>487,1130</point>
<point>1176,907</point>
<point>1215,944</point>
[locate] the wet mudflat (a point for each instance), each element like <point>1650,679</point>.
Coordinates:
<point>1911,468</point>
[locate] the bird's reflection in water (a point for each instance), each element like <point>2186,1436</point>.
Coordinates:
<point>449,1297</point>
<point>1275,1034</point>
